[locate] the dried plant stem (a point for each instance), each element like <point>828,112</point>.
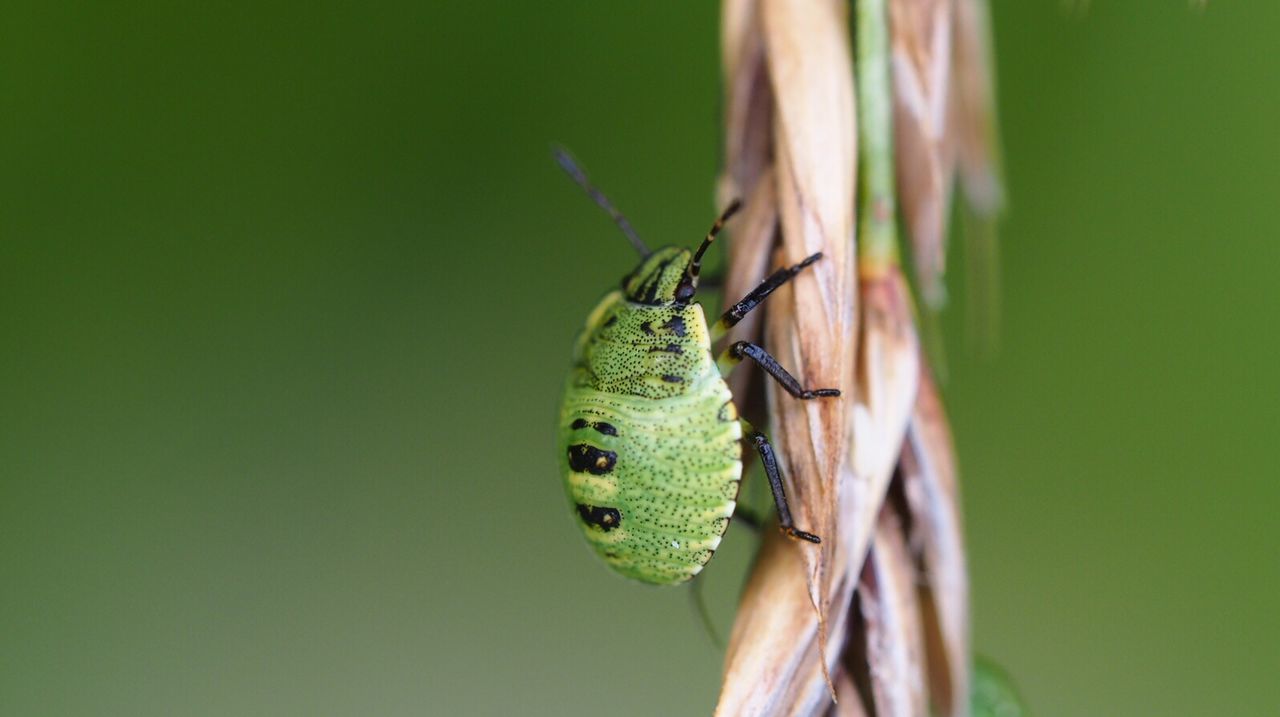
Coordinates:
<point>791,121</point>
<point>936,537</point>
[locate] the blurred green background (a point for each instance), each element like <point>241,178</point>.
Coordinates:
<point>287,293</point>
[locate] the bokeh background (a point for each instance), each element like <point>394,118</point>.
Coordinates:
<point>286,298</point>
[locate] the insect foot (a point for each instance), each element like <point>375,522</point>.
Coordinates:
<point>797,534</point>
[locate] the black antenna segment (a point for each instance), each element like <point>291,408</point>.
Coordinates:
<point>695,266</point>
<point>575,172</point>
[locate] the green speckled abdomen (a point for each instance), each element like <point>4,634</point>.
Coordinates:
<point>650,440</point>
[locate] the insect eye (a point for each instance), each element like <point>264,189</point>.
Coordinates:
<point>685,290</point>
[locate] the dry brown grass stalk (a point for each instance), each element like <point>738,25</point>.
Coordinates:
<point>936,537</point>
<point>806,111</point>
<point>801,643</point>
<point>921,31</point>
<point>893,632</point>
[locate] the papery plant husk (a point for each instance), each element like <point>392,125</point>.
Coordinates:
<point>927,472</point>
<point>790,81</point>
<point>875,619</point>
<point>921,51</point>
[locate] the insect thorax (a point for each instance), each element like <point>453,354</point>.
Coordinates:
<point>645,351</point>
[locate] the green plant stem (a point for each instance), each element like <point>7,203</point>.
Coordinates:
<point>877,221</point>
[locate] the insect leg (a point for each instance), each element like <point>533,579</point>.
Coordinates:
<point>736,312</point>
<point>733,355</point>
<point>770,462</point>
<point>702,614</point>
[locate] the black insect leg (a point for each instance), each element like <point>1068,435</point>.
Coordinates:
<point>770,463</point>
<point>736,312</point>
<point>733,355</point>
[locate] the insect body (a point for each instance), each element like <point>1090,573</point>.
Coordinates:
<point>650,439</point>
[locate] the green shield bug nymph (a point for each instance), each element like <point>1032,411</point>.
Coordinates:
<point>650,440</point>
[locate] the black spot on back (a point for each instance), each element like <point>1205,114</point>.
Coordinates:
<point>647,327</point>
<point>585,458</point>
<point>676,325</point>
<point>600,516</point>
<point>605,428</point>
<point>672,379</point>
<point>602,427</point>
<point>669,348</point>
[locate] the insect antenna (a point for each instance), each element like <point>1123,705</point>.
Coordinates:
<point>575,172</point>
<point>695,266</point>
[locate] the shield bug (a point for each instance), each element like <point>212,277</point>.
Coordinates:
<point>650,440</point>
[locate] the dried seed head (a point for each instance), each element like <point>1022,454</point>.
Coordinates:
<point>936,537</point>
<point>801,641</point>
<point>791,122</point>
<point>921,43</point>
